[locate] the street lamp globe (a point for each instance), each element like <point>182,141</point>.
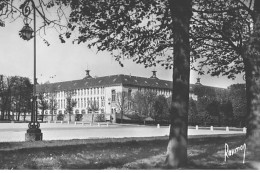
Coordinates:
<point>26,32</point>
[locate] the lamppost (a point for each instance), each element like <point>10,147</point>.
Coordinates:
<point>27,33</point>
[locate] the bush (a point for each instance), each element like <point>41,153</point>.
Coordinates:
<point>78,117</point>
<point>60,117</point>
<point>100,118</point>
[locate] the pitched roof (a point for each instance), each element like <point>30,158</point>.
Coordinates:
<point>114,80</point>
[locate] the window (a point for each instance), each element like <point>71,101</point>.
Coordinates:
<point>58,104</point>
<point>129,92</point>
<point>129,105</point>
<point>81,103</point>
<point>113,93</point>
<point>102,101</point>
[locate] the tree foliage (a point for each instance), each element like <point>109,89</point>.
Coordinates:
<point>252,53</point>
<point>53,104</point>
<point>70,103</point>
<point>220,30</point>
<point>122,101</point>
<point>43,103</point>
<point>143,103</point>
<point>150,32</point>
<point>237,95</point>
<point>215,103</point>
<point>140,30</point>
<point>161,108</point>
<point>15,96</point>
<point>93,107</point>
<point>228,112</point>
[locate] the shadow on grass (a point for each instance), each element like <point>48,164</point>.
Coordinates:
<point>210,154</point>
<point>203,153</point>
<point>85,156</point>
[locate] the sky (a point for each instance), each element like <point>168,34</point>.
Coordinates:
<point>64,62</point>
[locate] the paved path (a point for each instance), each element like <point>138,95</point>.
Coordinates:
<point>10,132</point>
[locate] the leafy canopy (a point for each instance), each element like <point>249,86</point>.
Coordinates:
<point>137,29</point>
<point>220,30</point>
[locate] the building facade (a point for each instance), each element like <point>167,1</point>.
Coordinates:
<point>103,91</point>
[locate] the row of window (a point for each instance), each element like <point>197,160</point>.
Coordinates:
<point>158,91</point>
<point>83,111</point>
<point>113,94</point>
<point>84,92</point>
<point>82,102</point>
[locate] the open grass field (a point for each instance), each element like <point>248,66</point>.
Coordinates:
<point>124,153</point>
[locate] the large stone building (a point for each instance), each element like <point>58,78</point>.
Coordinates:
<point>103,91</point>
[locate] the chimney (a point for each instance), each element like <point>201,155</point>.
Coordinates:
<point>154,75</point>
<point>198,81</point>
<point>87,75</point>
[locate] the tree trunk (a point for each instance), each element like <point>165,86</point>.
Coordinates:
<point>248,79</point>
<point>18,116</point>
<point>219,120</point>
<point>42,114</point>
<point>253,51</point>
<point>9,114</point>
<point>177,146</point>
<point>121,112</point>
<point>52,116</point>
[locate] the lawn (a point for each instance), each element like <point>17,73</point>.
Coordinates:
<point>126,153</point>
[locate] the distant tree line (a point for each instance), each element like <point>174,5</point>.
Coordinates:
<point>213,106</point>
<point>141,105</point>
<point>218,107</point>
<point>15,97</point>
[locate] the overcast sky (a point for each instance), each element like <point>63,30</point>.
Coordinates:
<point>69,61</point>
